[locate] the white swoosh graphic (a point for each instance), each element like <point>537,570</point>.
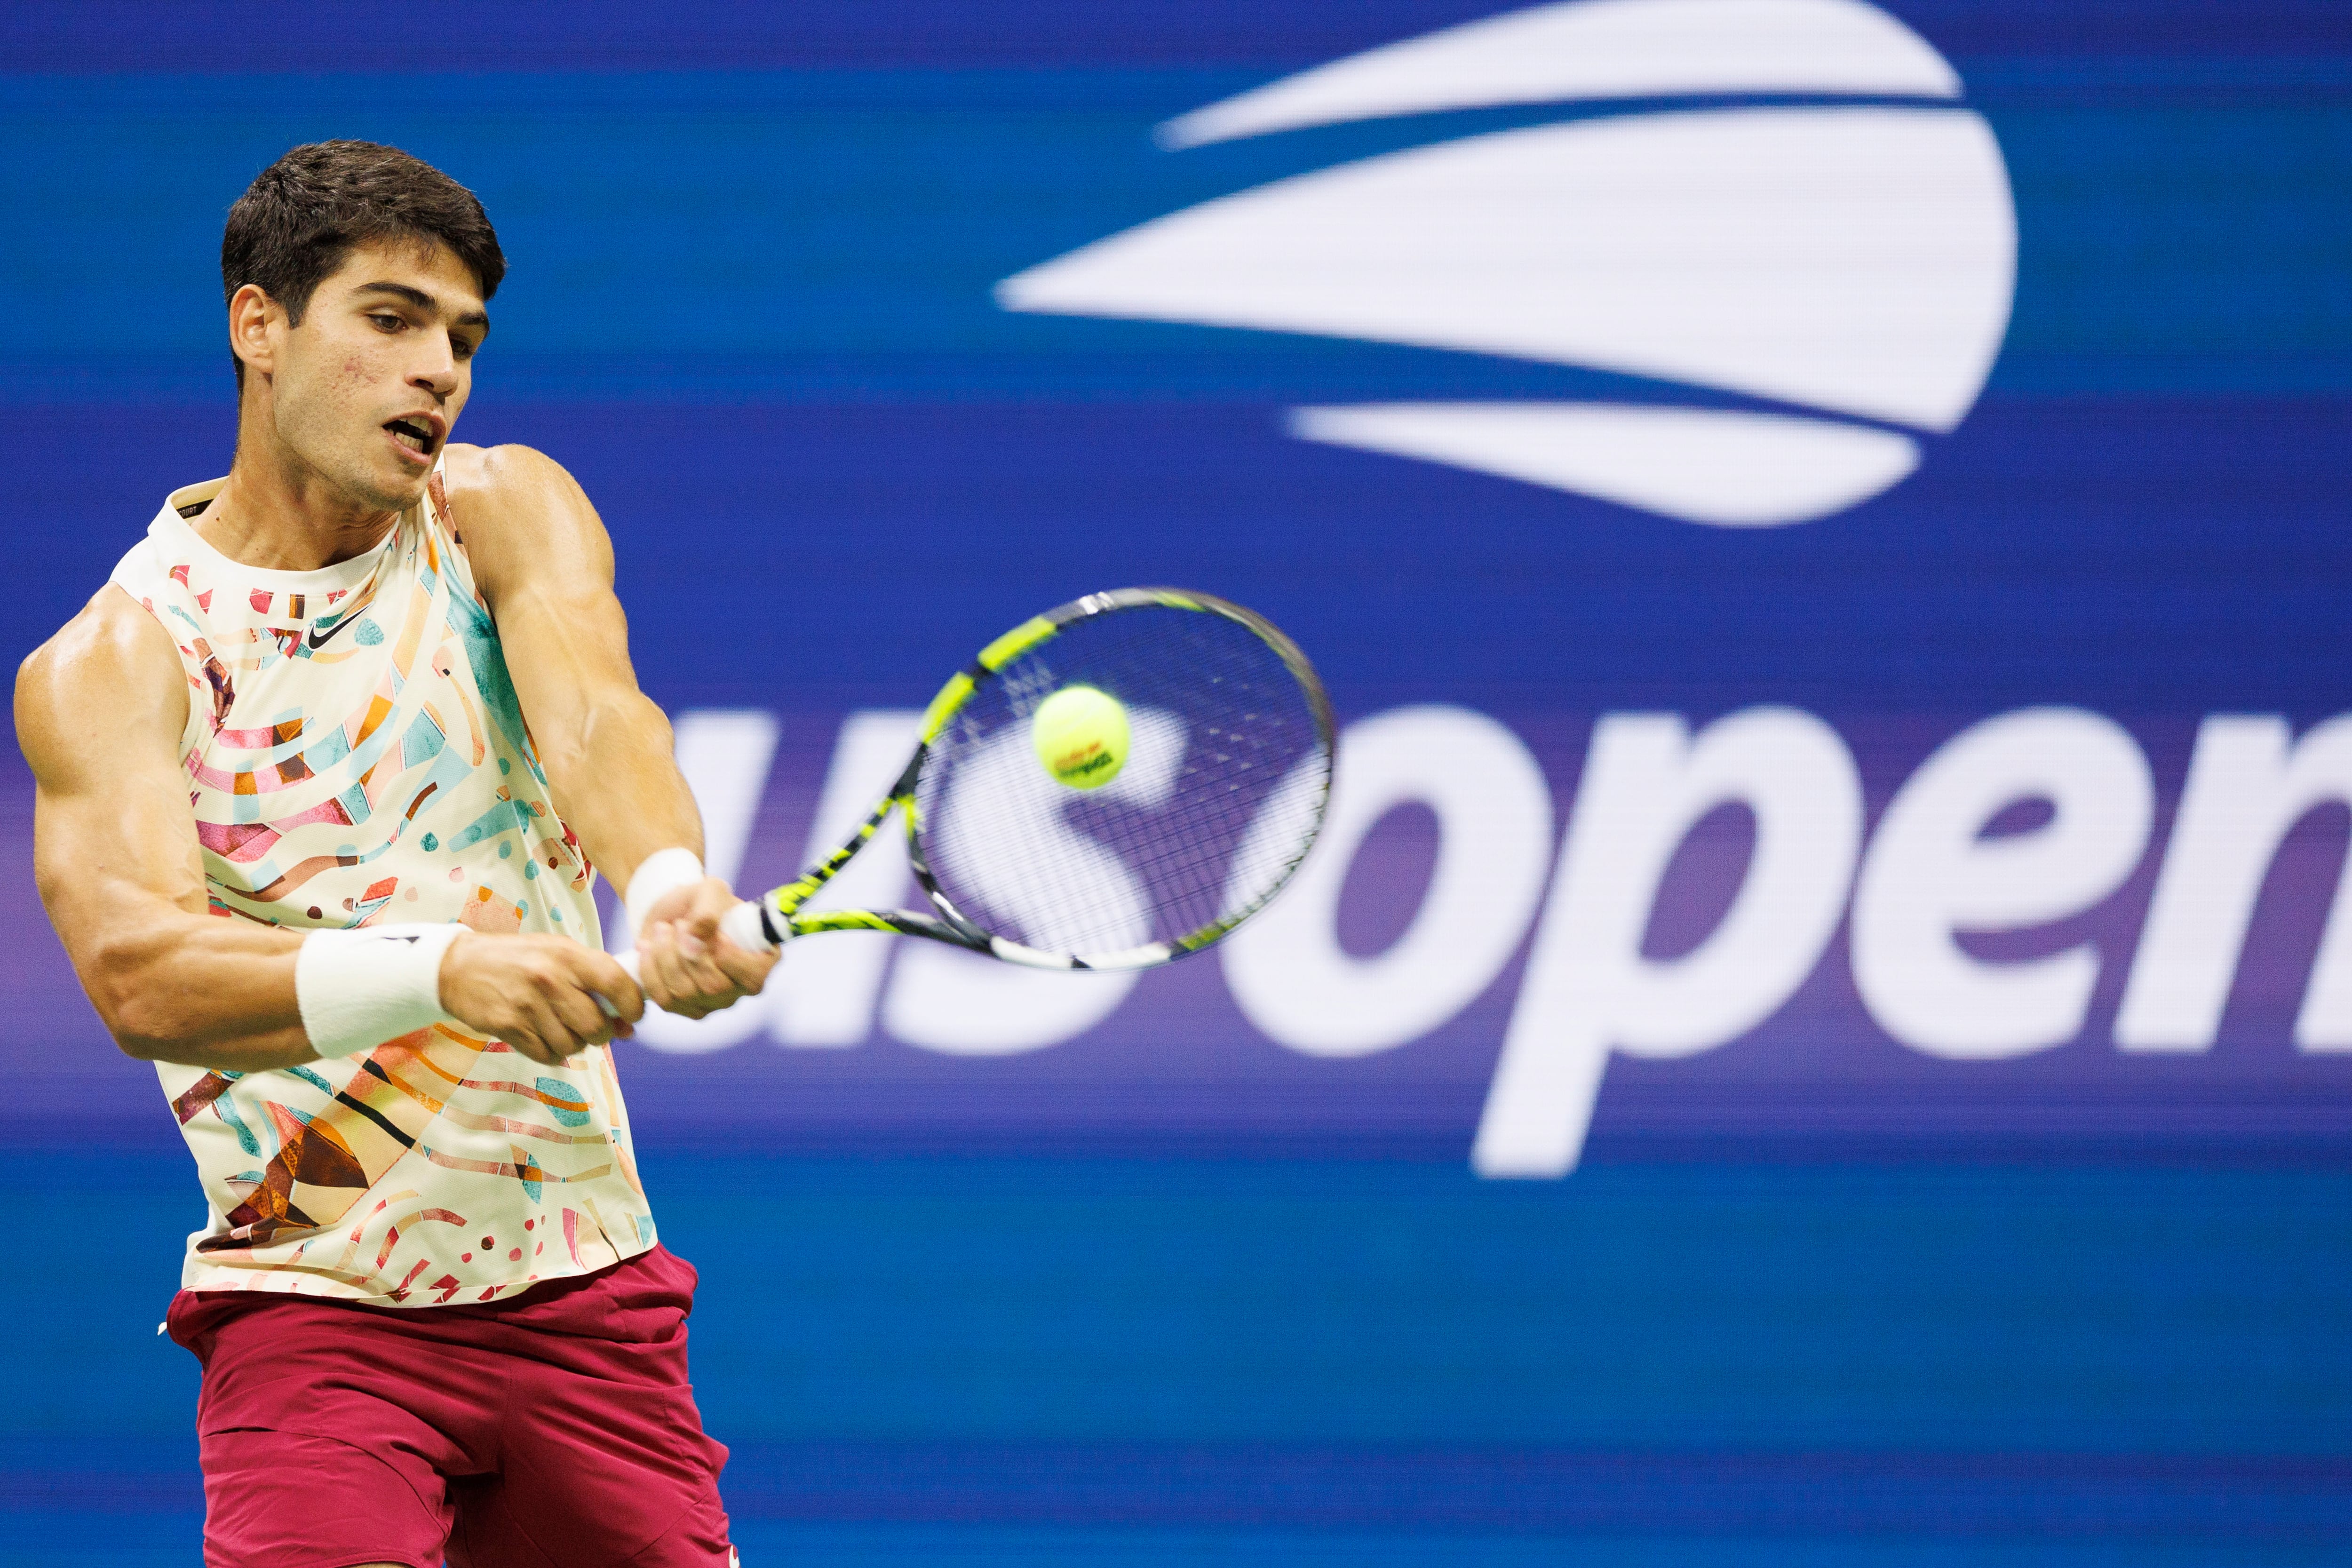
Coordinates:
<point>1725,467</point>
<point>1858,259</point>
<point>1596,49</point>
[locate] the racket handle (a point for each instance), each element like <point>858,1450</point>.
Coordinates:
<point>744,926</point>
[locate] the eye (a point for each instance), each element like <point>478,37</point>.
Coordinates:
<point>387,322</point>
<point>466,347</point>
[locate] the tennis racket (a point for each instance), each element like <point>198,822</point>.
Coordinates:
<point>1228,771</point>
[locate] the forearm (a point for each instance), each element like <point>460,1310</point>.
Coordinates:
<point>618,787</point>
<point>200,991</point>
<point>544,565</point>
<point>240,997</point>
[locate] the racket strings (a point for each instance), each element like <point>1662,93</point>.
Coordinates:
<point>1183,842</point>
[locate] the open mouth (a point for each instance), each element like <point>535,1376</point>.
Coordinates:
<point>414,435</point>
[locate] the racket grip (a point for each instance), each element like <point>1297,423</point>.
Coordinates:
<point>743,926</point>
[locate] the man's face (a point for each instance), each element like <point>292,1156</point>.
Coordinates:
<point>365,389</point>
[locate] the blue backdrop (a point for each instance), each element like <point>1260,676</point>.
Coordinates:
<point>1888,933</point>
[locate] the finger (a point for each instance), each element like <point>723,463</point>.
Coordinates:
<point>586,1021</point>
<point>697,952</point>
<point>528,1044</point>
<point>602,975</point>
<point>662,970</point>
<point>746,972</point>
<point>550,1029</point>
<point>690,939</point>
<point>687,976</point>
<point>712,898</point>
<point>707,978</point>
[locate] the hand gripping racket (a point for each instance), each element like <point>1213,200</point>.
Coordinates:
<point>1227,772</point>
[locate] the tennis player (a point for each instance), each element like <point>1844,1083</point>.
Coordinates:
<point>324,772</point>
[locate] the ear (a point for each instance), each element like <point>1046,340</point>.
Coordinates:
<point>251,315</point>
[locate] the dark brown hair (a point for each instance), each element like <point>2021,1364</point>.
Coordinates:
<point>306,213</point>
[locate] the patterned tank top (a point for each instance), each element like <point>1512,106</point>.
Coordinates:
<point>355,754</point>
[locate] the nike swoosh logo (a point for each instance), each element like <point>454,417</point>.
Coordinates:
<point>317,641</point>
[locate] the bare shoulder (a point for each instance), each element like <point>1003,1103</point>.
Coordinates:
<point>523,517</point>
<point>108,674</point>
<point>507,489</point>
<point>504,473</point>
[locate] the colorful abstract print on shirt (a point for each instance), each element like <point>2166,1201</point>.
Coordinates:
<point>355,754</point>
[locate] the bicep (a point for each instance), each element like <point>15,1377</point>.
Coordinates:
<point>100,711</point>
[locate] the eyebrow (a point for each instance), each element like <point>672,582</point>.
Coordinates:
<point>423,302</point>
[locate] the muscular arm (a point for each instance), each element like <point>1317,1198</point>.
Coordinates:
<point>100,711</point>
<point>544,563</point>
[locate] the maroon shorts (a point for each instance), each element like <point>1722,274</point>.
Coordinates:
<point>552,1430</point>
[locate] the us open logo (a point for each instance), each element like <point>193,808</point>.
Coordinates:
<point>1842,269</point>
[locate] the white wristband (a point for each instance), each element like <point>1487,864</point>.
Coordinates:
<point>661,872</point>
<point>359,988</point>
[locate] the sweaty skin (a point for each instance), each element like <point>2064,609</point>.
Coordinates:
<point>340,422</point>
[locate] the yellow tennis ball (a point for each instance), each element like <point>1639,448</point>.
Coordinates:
<point>1080,734</point>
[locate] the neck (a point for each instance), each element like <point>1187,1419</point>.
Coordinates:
<point>280,513</point>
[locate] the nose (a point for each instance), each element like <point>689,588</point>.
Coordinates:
<point>437,370</point>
